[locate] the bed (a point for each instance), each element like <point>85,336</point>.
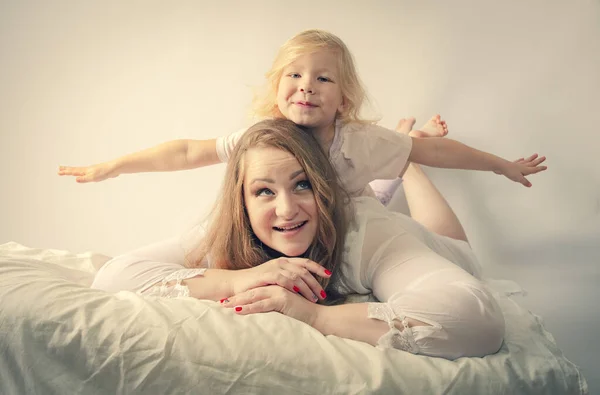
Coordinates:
<point>57,336</point>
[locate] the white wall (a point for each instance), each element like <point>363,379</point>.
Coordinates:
<point>86,81</point>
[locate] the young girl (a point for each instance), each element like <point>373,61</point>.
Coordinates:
<point>313,82</point>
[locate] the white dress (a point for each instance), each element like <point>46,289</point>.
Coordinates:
<point>409,271</point>
<point>359,152</point>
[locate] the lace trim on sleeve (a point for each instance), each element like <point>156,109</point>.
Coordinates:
<point>176,289</point>
<point>394,338</point>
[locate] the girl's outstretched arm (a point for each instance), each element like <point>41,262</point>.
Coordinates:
<point>450,154</point>
<point>170,156</point>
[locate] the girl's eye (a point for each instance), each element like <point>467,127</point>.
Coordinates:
<point>263,192</point>
<point>294,75</point>
<point>303,185</point>
<point>323,79</point>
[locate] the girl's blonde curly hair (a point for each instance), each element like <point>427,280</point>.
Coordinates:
<point>265,101</point>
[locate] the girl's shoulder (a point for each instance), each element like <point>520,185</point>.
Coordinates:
<point>363,127</point>
<point>356,132</point>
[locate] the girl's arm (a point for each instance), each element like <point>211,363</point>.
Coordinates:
<point>447,153</point>
<point>170,156</point>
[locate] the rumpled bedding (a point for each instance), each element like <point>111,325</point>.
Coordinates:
<point>57,336</point>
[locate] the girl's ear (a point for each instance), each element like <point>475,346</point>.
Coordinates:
<point>342,107</point>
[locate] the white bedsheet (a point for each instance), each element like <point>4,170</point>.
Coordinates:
<point>59,337</point>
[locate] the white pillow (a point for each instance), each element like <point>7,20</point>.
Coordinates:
<point>59,337</point>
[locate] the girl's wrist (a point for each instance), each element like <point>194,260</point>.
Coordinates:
<point>114,167</point>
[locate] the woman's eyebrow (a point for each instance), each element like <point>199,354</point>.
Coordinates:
<point>296,174</point>
<point>271,181</point>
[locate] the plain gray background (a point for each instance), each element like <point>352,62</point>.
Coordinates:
<point>87,81</point>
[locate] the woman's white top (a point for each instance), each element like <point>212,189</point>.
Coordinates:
<point>412,272</point>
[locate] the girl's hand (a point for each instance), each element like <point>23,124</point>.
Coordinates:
<point>95,173</point>
<point>522,167</point>
<point>294,274</point>
<point>274,298</point>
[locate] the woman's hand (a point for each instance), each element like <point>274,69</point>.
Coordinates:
<point>297,275</point>
<point>95,173</point>
<point>274,298</point>
<point>522,167</point>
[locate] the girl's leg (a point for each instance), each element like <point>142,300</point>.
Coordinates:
<point>426,204</point>
<point>435,127</point>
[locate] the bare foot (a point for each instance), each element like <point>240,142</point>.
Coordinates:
<point>405,125</point>
<point>435,127</point>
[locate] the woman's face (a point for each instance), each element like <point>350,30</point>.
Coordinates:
<point>279,200</point>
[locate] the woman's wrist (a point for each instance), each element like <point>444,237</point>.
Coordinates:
<point>319,319</point>
<point>214,284</point>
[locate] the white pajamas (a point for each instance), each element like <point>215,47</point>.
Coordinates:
<point>360,153</point>
<point>412,272</point>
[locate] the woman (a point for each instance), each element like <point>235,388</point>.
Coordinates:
<point>282,205</point>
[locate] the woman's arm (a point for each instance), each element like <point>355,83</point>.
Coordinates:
<point>161,265</point>
<point>350,321</point>
<point>170,156</point>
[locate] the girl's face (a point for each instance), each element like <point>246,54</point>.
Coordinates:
<point>279,201</point>
<point>309,93</point>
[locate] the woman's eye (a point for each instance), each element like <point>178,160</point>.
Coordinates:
<point>264,192</point>
<point>302,185</point>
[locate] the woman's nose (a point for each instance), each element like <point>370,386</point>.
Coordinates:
<point>287,207</point>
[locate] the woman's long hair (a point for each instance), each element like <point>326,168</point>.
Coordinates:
<point>230,243</point>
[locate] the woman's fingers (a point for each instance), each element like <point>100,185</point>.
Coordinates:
<point>258,300</point>
<point>295,283</point>
<point>298,275</point>
<point>311,266</point>
<point>301,269</point>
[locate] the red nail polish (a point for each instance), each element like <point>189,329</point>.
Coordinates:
<point>327,272</point>
<point>296,289</point>
<point>238,308</point>
<point>223,300</point>
<point>323,294</point>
